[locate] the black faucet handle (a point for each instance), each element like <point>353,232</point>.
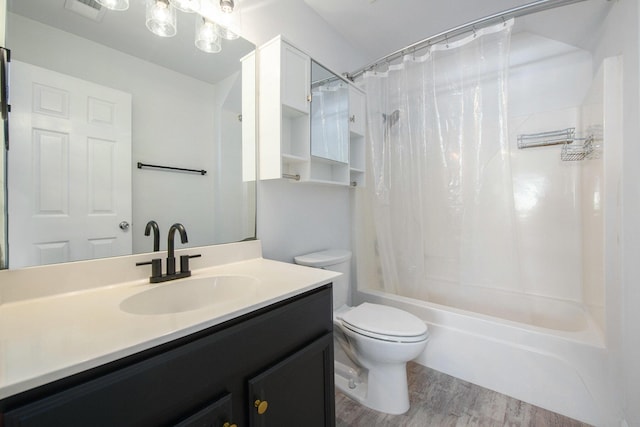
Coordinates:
<point>184,262</point>
<point>156,267</point>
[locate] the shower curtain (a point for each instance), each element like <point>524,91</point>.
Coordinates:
<point>439,192</point>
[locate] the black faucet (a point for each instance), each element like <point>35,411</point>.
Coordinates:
<point>152,225</point>
<point>156,263</point>
<point>171,260</point>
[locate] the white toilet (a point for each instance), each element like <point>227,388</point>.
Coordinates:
<point>373,342</point>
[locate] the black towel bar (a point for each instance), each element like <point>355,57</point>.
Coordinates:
<point>145,165</point>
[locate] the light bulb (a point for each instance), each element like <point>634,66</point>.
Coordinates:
<point>226,6</point>
<point>188,6</point>
<point>206,38</point>
<point>115,4</point>
<point>161,18</point>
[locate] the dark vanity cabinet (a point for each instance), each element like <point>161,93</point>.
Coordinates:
<point>272,367</point>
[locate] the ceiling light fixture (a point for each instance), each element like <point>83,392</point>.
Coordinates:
<point>212,24</point>
<point>161,18</point>
<point>114,4</point>
<point>227,19</point>
<point>207,40</point>
<point>188,6</point>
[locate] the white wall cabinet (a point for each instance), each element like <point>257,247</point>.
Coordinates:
<point>283,110</point>
<point>284,123</point>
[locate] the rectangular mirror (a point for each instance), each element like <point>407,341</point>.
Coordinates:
<point>94,94</point>
<point>329,115</point>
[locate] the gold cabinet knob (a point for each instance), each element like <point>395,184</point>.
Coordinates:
<point>261,405</point>
<point>227,424</point>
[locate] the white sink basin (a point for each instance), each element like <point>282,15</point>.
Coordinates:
<point>190,294</point>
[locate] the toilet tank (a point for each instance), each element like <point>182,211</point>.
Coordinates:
<point>334,260</point>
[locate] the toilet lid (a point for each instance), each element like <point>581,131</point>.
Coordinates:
<point>383,322</point>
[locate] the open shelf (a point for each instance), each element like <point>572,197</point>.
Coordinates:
<point>329,171</point>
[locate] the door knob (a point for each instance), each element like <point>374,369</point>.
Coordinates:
<point>124,226</point>
<point>261,406</point>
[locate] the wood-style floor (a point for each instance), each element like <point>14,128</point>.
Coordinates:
<point>439,400</point>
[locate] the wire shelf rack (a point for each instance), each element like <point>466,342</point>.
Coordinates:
<point>577,150</point>
<point>543,139</point>
<point>573,148</point>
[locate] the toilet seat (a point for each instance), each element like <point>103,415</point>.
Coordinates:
<point>384,323</point>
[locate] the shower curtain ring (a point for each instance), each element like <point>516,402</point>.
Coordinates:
<point>473,28</point>
<point>446,40</point>
<point>504,21</point>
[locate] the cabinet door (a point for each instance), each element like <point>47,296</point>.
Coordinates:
<point>214,415</point>
<point>298,391</point>
<point>357,111</point>
<point>296,79</point>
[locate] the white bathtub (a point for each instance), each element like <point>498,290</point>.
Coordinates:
<point>556,360</point>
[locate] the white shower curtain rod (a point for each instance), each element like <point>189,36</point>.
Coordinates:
<point>536,6</point>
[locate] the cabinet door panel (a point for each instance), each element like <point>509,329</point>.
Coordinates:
<point>213,415</point>
<point>299,390</point>
<point>295,78</point>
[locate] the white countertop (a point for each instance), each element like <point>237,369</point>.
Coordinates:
<point>49,338</point>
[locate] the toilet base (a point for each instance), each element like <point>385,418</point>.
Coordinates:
<point>384,390</point>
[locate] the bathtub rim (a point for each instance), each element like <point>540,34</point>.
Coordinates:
<point>504,328</point>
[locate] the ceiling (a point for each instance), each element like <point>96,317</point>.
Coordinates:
<point>374,27</point>
<point>380,27</point>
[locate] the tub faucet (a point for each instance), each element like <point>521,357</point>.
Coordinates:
<point>152,225</point>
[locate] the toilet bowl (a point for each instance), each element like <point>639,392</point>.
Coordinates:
<point>372,342</point>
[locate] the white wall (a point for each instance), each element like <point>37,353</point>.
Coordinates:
<point>620,36</point>
<point>234,217</point>
<point>297,218</point>
<point>299,24</point>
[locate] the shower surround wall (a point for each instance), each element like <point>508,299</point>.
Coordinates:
<point>557,347</point>
<point>548,83</point>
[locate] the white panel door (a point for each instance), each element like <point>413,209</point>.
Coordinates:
<point>69,168</point>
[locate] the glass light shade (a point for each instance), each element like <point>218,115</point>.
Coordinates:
<point>225,32</point>
<point>188,6</point>
<point>115,4</point>
<point>207,40</point>
<point>161,18</point>
<point>227,6</point>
